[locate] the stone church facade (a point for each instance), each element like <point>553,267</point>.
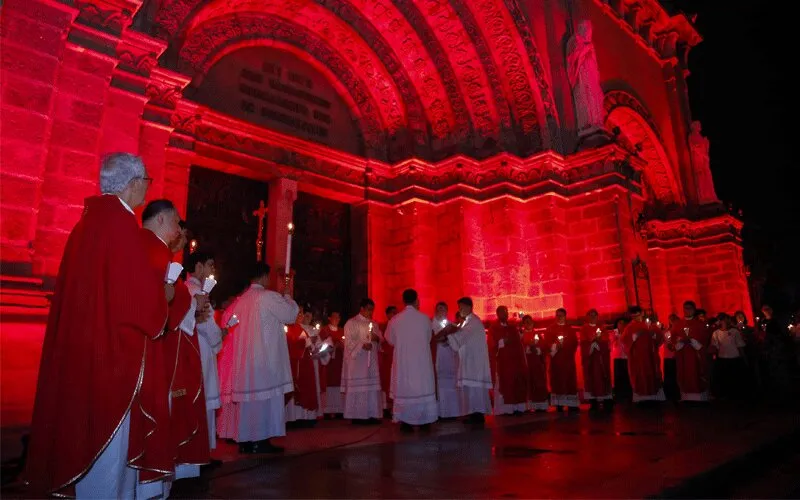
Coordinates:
<point>492,148</point>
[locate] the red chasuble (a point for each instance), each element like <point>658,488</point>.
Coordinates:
<point>537,368</point>
<point>691,363</point>
<point>643,361</point>
<point>511,370</point>
<point>333,371</point>
<point>176,379</point>
<point>563,372</point>
<point>596,364</point>
<point>108,304</point>
<point>305,385</point>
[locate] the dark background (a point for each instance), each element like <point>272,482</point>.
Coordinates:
<point>741,89</point>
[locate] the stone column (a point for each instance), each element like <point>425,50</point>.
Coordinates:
<point>33,42</point>
<point>282,195</point>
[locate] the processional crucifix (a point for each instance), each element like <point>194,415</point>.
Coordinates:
<point>261,213</point>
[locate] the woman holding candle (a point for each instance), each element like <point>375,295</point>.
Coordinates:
<point>596,361</point>
<point>562,343</point>
<point>538,397</point>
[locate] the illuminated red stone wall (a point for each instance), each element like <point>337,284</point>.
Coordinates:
<point>470,181</point>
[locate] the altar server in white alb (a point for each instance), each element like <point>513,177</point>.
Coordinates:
<point>361,384</point>
<point>253,400</point>
<point>200,265</point>
<point>474,373</point>
<point>446,367</point>
<point>413,388</point>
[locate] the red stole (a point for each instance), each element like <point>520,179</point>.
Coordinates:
<point>510,363</point>
<point>107,304</point>
<point>691,364</point>
<point>305,385</point>
<point>596,364</point>
<point>563,371</point>
<point>643,360</point>
<point>537,368</point>
<point>333,372</point>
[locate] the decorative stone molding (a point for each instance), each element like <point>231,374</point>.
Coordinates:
<point>110,16</point>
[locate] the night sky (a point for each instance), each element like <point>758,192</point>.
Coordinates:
<point>741,89</point>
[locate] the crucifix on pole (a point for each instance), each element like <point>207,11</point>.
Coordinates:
<point>261,213</point>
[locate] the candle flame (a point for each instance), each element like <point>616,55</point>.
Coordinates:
<point>290,226</point>
<point>285,329</point>
<point>211,277</point>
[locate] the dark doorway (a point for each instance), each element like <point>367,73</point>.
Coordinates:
<point>220,217</point>
<point>321,255</point>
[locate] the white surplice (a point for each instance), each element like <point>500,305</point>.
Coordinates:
<point>413,387</point>
<point>361,383</point>
<point>448,393</point>
<point>254,367</point>
<point>474,373</point>
<point>210,341</point>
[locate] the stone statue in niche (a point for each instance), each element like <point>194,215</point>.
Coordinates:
<point>584,78</point>
<point>699,145</point>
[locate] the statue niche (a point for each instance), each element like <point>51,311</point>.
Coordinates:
<point>699,146</point>
<point>584,79</point>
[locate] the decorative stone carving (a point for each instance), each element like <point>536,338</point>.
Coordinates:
<point>138,63</point>
<point>111,16</point>
<point>699,146</point>
<point>584,78</point>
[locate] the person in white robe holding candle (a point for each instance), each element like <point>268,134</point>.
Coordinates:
<point>361,384</point>
<point>413,388</point>
<point>200,265</point>
<point>260,374</point>
<point>474,373</point>
<point>448,394</point>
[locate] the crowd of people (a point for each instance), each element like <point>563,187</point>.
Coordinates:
<point>140,375</point>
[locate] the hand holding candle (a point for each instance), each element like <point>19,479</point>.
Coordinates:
<point>173,271</point>
<point>288,265</point>
<point>233,321</point>
<point>561,339</point>
<point>209,284</point>
<point>598,333</point>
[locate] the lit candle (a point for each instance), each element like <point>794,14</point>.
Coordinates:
<point>686,332</point>
<point>285,329</point>
<point>647,321</point>
<point>561,338</point>
<point>209,284</point>
<point>369,341</point>
<point>233,321</point>
<point>316,326</point>
<point>598,333</point>
<point>289,249</point>
<point>536,338</point>
<point>658,324</point>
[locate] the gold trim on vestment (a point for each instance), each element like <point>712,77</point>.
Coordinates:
<point>136,390</point>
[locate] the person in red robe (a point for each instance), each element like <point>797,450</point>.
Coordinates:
<point>642,339</point>
<point>385,362</point>
<point>596,362</point>
<point>538,397</point>
<point>562,343</point>
<point>511,387</point>
<point>332,373</point>
<point>305,402</point>
<point>174,378</point>
<point>689,337</point>
<point>107,307</point>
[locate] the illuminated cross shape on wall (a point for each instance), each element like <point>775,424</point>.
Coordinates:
<point>261,213</point>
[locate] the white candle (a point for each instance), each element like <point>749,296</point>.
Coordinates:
<point>285,329</point>
<point>209,284</point>
<point>289,248</point>
<point>536,338</point>
<point>598,333</point>
<point>233,321</point>
<point>316,326</point>
<point>561,338</point>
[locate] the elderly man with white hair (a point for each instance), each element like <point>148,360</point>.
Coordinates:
<point>108,305</point>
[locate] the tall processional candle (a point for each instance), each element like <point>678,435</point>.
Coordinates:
<point>369,341</point>
<point>289,251</point>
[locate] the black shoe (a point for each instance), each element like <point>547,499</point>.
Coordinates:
<point>594,405</point>
<point>560,409</point>
<point>406,428</point>
<point>425,428</point>
<point>372,421</point>
<point>266,446</point>
<point>387,413</point>
<point>573,408</point>
<point>246,447</point>
<point>475,419</point>
<point>339,416</point>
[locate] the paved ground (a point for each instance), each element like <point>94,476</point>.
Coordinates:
<point>632,453</point>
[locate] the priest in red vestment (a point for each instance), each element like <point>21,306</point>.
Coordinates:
<point>690,338</point>
<point>642,339</point>
<point>596,362</point>
<point>511,385</point>
<point>173,380</point>
<point>332,395</point>
<point>107,307</point>
<point>538,396</point>
<point>561,342</point>
<point>385,364</point>
<point>304,404</point>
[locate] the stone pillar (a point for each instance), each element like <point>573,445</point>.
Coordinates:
<point>33,38</point>
<point>282,195</point>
